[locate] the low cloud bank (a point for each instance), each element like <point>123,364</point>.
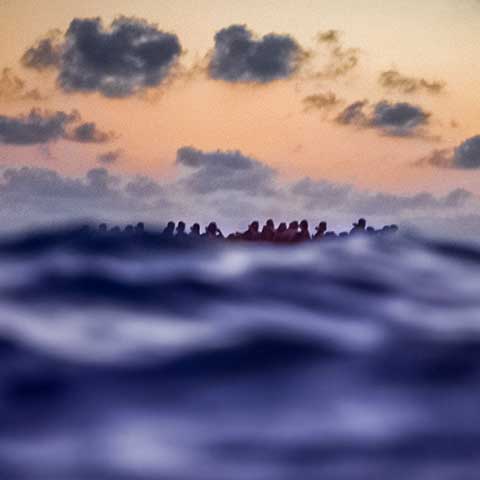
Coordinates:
<point>227,186</point>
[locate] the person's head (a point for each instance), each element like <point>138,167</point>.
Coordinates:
<point>270,224</point>
<point>212,228</point>
<point>129,229</point>
<point>322,227</point>
<point>293,225</point>
<point>181,227</point>
<point>394,228</point>
<point>303,225</point>
<point>195,229</point>
<point>282,227</point>
<point>102,227</point>
<point>170,228</point>
<point>253,226</point>
<point>140,227</point>
<point>362,223</point>
<point>370,230</point>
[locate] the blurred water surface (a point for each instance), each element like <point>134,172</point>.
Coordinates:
<point>139,359</point>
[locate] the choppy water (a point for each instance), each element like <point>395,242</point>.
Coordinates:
<point>355,359</point>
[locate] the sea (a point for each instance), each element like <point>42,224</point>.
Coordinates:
<point>137,358</point>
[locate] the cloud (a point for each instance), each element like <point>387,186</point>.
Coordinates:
<point>131,56</point>
<point>392,119</point>
<point>110,157</point>
<point>394,80</point>
<point>88,132</point>
<point>143,187</point>
<point>228,187</point>
<point>34,128</point>
<point>465,156</point>
<point>223,170</point>
<point>40,127</point>
<point>45,54</point>
<point>13,88</point>
<point>341,60</point>
<point>321,101</point>
<point>240,57</point>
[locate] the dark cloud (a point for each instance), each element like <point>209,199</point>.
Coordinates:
<point>13,88</point>
<point>88,132</point>
<point>45,54</point>
<point>230,170</point>
<point>239,56</point>
<point>36,127</point>
<point>465,156</point>
<point>394,80</point>
<point>40,127</point>
<point>131,56</point>
<point>110,157</point>
<point>393,119</point>
<point>321,101</point>
<point>341,60</point>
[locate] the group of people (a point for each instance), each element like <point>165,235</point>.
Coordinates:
<point>294,232</point>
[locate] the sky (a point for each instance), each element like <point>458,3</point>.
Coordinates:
<point>150,110</point>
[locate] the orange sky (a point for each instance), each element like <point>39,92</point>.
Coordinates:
<point>434,39</point>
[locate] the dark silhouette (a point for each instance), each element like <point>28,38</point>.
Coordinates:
<point>268,231</point>
<point>359,227</point>
<point>169,230</point>
<point>195,230</point>
<point>303,234</point>
<point>212,231</point>
<point>180,232</point>
<point>280,233</point>
<point>295,233</point>
<point>321,229</point>
<point>291,233</point>
<point>252,234</point>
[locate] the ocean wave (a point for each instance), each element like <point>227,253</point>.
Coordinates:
<point>139,358</point>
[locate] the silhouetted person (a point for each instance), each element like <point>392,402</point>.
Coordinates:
<point>212,231</point>
<point>129,229</point>
<point>280,233</point>
<point>169,230</point>
<point>394,228</point>
<point>290,234</point>
<point>303,234</point>
<point>371,231</point>
<point>252,234</point>
<point>195,230</point>
<point>180,233</point>
<point>268,231</point>
<point>320,230</point>
<point>102,228</point>
<point>359,227</point>
<point>140,228</point>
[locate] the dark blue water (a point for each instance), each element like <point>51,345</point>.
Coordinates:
<point>123,359</point>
